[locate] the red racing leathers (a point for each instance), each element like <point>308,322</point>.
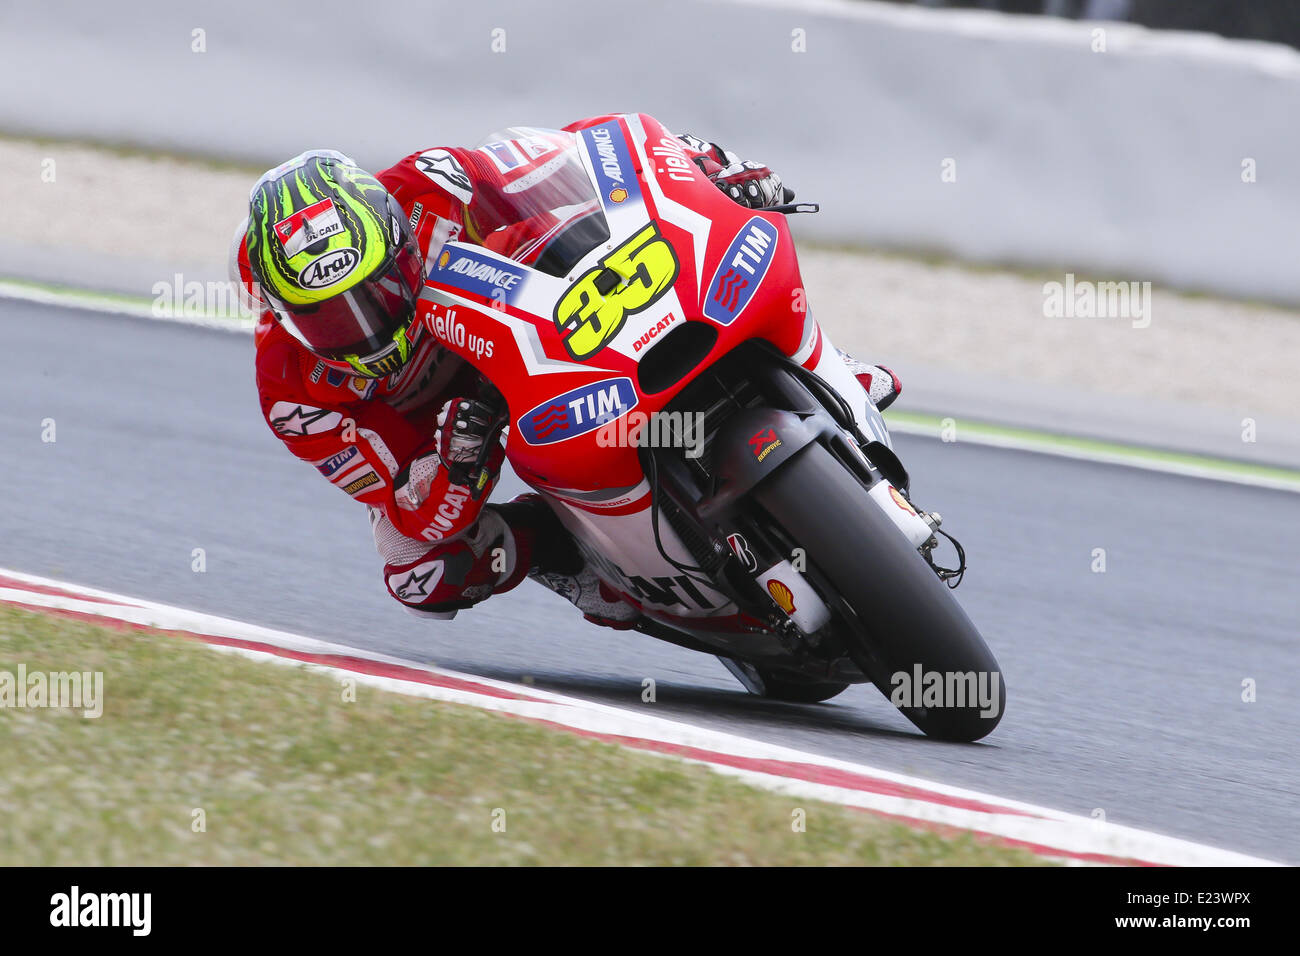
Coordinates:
<point>376,439</point>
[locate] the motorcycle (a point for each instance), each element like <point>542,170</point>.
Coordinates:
<point>671,396</point>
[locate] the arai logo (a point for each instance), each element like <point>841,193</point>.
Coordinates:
<point>329,268</point>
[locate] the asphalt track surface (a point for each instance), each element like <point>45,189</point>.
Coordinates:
<point>1124,687</point>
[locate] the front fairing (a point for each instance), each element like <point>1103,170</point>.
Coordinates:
<point>568,346</point>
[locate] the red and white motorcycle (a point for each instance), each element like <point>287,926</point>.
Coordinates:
<point>671,396</point>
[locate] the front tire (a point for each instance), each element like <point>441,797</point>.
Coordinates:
<point>894,612</point>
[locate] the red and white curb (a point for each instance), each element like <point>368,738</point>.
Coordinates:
<point>803,775</point>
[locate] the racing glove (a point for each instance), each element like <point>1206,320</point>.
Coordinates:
<point>751,184</point>
<point>465,428</point>
<point>748,183</point>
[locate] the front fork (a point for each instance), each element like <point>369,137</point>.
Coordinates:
<point>920,527</point>
<point>887,481</point>
<point>825,405</point>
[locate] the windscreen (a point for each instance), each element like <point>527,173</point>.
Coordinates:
<point>540,207</point>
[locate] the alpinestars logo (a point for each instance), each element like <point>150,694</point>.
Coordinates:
<point>695,143</point>
<point>297,420</point>
<point>442,167</point>
<point>419,582</point>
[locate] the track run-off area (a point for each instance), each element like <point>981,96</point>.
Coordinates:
<point>1125,686</point>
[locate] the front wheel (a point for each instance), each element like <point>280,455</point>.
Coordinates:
<point>900,624</point>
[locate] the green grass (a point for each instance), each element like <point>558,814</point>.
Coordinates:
<point>287,772</point>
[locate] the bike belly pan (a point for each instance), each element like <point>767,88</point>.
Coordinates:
<point>621,549</point>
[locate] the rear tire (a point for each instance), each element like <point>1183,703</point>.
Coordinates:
<point>896,613</point>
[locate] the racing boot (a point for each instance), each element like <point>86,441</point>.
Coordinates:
<point>881,385</point>
<point>592,596</point>
<point>556,563</point>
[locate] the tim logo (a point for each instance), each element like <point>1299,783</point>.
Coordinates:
<point>334,464</point>
<point>578,411</point>
<point>729,290</point>
<point>550,420</point>
<point>741,271</point>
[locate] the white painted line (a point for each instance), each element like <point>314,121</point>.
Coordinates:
<point>116,305</point>
<point>1045,443</point>
<point>782,769</point>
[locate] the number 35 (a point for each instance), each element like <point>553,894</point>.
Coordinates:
<point>625,281</point>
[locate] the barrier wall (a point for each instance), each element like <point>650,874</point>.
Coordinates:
<point>1126,163</point>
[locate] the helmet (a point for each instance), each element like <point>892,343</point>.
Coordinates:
<point>336,260</point>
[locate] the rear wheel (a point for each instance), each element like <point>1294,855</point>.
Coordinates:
<point>901,625</point>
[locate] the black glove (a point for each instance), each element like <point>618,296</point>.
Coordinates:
<point>751,184</point>
<point>748,183</point>
<point>465,428</point>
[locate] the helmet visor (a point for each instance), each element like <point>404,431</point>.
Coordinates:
<point>364,319</point>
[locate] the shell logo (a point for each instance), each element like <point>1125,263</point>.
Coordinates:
<point>617,194</point>
<point>900,500</point>
<point>782,595</point>
<point>442,259</point>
